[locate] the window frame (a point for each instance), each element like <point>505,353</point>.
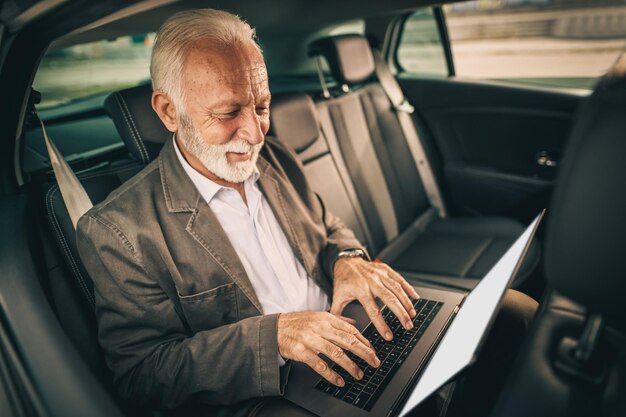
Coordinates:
<point>444,39</point>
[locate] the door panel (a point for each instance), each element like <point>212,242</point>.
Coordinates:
<point>490,137</point>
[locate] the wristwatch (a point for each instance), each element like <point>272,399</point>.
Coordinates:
<point>352,253</point>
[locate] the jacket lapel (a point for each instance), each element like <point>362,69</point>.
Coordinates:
<point>274,196</point>
<point>182,196</point>
<point>206,229</point>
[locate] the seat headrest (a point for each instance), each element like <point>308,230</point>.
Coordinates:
<point>586,240</point>
<point>349,57</point>
<point>294,120</point>
<point>139,126</point>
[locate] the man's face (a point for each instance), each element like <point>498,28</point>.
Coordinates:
<point>226,114</point>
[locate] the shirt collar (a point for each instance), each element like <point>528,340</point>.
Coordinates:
<point>206,187</point>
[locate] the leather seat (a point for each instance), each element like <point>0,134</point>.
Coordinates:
<point>574,363</point>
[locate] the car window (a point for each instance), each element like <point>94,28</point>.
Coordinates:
<point>420,50</point>
<point>546,43</point>
<point>83,71</point>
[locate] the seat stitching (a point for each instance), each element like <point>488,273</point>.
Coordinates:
<point>448,399</point>
<point>132,121</point>
<point>103,172</point>
<point>61,237</point>
<point>255,411</point>
<point>66,248</point>
<point>131,126</point>
<point>57,229</point>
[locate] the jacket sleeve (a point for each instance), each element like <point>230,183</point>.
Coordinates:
<point>154,357</point>
<point>340,238</point>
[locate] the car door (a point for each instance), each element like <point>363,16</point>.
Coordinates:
<point>496,91</point>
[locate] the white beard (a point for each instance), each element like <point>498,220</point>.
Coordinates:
<point>213,157</point>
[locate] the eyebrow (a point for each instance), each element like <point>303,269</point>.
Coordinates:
<point>266,97</point>
<point>226,104</point>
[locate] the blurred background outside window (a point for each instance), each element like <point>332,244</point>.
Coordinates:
<point>545,43</point>
<point>94,68</point>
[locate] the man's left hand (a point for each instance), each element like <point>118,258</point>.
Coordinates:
<point>361,280</point>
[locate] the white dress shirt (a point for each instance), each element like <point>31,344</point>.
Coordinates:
<point>280,282</point>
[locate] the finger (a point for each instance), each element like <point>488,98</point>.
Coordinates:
<point>351,342</point>
<point>337,355</point>
<point>373,312</point>
<point>350,329</point>
<point>394,286</point>
<point>348,320</point>
<point>321,367</point>
<point>407,287</point>
<point>338,305</point>
<point>395,306</point>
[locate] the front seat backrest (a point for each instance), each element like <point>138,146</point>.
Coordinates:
<point>586,243</point>
<point>574,362</point>
<point>139,126</point>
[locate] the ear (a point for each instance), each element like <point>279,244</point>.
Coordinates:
<point>165,109</point>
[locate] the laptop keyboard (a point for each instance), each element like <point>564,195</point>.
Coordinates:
<point>364,393</point>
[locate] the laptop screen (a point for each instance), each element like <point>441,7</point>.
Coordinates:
<point>462,339</point>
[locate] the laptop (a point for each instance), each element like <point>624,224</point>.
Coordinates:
<point>448,332</point>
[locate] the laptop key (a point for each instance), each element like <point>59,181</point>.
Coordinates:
<point>329,389</point>
<point>350,397</point>
<point>362,400</point>
<point>322,384</point>
<point>340,392</point>
<point>376,379</point>
<point>365,392</point>
<point>370,388</point>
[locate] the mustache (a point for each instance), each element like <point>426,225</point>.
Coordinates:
<point>191,137</point>
<point>239,146</point>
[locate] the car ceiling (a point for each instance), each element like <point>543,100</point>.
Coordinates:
<point>272,18</point>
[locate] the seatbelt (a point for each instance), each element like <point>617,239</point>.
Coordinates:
<point>74,195</point>
<point>403,110</point>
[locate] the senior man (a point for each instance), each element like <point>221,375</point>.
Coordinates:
<point>216,263</point>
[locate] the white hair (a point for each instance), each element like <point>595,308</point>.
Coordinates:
<point>179,32</point>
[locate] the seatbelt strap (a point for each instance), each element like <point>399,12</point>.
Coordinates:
<point>403,110</point>
<point>74,195</point>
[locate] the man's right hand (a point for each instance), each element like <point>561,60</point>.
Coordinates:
<point>303,335</point>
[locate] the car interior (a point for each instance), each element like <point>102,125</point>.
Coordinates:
<point>437,175</point>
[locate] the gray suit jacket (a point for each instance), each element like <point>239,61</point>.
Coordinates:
<point>177,316</point>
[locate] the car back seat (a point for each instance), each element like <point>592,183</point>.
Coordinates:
<point>294,122</point>
<point>407,231</point>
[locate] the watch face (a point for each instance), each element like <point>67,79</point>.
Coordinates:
<point>351,253</point>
